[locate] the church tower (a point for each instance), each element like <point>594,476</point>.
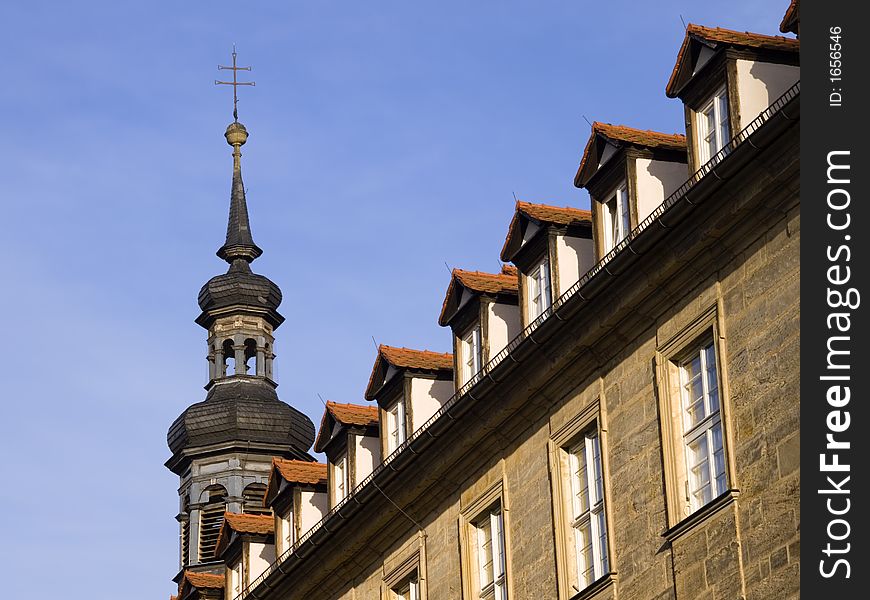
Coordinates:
<point>222,447</point>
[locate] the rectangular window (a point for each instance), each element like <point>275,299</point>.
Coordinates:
<point>396,433</point>
<point>491,554</point>
<point>693,410</point>
<point>578,470</point>
<point>713,127</point>
<point>540,297</point>
<point>409,589</point>
<point>617,218</point>
<point>587,502</point>
<point>471,354</point>
<point>702,427</point>
<point>340,479</point>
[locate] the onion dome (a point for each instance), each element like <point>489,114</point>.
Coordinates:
<point>244,411</point>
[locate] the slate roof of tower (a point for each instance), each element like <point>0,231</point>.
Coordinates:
<point>243,410</point>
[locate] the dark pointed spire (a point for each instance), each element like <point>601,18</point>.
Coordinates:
<point>240,243</point>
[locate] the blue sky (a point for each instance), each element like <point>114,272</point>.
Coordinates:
<point>387,138</point>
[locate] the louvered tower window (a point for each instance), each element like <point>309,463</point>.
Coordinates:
<point>185,531</point>
<point>253,500</point>
<point>210,521</point>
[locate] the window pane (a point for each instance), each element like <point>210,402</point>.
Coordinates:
<point>693,392</point>
<point>602,544</point>
<point>596,463</point>
<point>545,285</point>
<point>718,458</point>
<point>625,215</point>
<point>585,565</point>
<point>580,482</point>
<point>484,552</point>
<point>724,133</point>
<point>699,472</point>
<point>498,540</point>
<point>712,380</point>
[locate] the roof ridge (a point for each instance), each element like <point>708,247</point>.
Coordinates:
<point>697,27</point>
<point>599,124</point>
<point>519,202</point>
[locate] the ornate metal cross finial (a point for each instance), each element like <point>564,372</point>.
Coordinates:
<point>235,82</point>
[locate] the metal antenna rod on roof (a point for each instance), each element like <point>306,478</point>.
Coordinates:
<point>683,21</point>
<point>449,270</point>
<point>515,196</point>
<point>375,342</point>
<point>587,120</point>
<point>321,399</point>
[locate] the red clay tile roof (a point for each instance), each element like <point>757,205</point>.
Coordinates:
<point>726,37</point>
<point>202,580</point>
<point>405,358</point>
<point>629,135</point>
<point>559,215</point>
<point>544,213</point>
<point>293,471</point>
<point>792,18</point>
<point>505,282</point>
<point>353,414</point>
<point>242,523</point>
<point>345,414</point>
<point>300,471</point>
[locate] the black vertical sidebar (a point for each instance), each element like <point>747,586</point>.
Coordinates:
<point>835,299</point>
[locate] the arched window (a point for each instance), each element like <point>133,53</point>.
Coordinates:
<point>211,518</point>
<point>229,366</point>
<point>252,502</point>
<point>250,356</point>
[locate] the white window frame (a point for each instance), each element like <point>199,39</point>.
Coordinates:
<point>540,286</point>
<point>489,533</point>
<point>702,426</point>
<point>396,426</point>
<point>617,217</point>
<point>340,478</point>
<point>588,509</point>
<point>471,353</point>
<point>712,140</point>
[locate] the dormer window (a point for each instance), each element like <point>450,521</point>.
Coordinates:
<point>617,218</point>
<point>539,289</point>
<point>396,432</point>
<point>471,353</point>
<point>713,127</point>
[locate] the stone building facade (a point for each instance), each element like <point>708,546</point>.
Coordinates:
<point>639,437</point>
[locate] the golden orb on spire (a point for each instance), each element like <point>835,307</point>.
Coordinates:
<point>236,134</point>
